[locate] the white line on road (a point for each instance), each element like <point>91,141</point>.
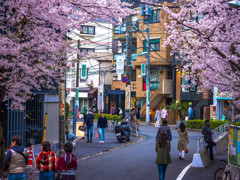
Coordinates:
<point>184,172</point>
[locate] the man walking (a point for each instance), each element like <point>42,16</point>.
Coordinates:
<point>101,126</point>
<point>138,119</point>
<point>164,113</point>
<point>16,160</point>
<point>89,124</point>
<point>190,113</point>
<point>164,128</point>
<point>206,131</point>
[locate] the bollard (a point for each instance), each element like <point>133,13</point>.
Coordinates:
<point>197,145</point>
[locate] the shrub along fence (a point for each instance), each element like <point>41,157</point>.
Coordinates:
<point>198,123</point>
<point>108,116</point>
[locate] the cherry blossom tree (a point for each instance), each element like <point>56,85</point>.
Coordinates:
<point>34,42</point>
<point>207,35</point>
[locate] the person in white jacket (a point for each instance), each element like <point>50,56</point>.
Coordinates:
<point>158,117</point>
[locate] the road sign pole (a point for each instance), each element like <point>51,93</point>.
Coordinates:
<point>148,76</point>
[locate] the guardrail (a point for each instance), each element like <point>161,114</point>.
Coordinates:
<point>216,135</point>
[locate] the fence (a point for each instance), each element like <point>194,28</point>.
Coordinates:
<point>216,135</point>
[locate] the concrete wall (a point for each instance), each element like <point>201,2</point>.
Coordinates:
<point>220,147</point>
<point>51,106</point>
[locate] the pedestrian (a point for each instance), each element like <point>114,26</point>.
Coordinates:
<point>67,163</point>
<point>183,140</point>
<point>89,123</point>
<point>113,109</point>
<point>102,124</point>
<point>84,113</point>
<point>132,115</point>
<point>190,113</point>
<point>120,111</point>
<point>158,117</point>
<point>47,162</point>
<point>16,159</point>
<point>163,148</point>
<point>164,128</point>
<point>138,119</point>
<point>206,131</point>
<point>164,113</point>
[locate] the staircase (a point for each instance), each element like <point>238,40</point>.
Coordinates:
<point>155,98</point>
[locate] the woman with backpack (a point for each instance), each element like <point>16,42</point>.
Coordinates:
<point>163,148</point>
<point>67,163</point>
<point>182,141</point>
<point>47,162</point>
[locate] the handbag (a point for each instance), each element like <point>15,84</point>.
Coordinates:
<point>187,150</point>
<point>186,118</point>
<point>96,134</point>
<point>82,128</point>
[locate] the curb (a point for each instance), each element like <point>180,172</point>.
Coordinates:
<point>141,138</point>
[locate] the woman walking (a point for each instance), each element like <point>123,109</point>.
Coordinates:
<point>67,163</point>
<point>158,117</point>
<point>183,140</point>
<point>163,148</point>
<point>47,162</point>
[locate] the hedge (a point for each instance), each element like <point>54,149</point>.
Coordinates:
<point>198,124</point>
<point>108,116</point>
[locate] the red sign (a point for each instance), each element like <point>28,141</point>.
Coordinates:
<point>124,79</point>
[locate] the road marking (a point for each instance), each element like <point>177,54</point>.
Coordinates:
<point>184,172</point>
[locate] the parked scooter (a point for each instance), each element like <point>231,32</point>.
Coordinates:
<point>122,131</point>
<point>71,138</point>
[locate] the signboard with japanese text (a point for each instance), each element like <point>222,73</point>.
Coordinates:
<point>234,145</point>
<point>127,97</point>
<point>120,65</point>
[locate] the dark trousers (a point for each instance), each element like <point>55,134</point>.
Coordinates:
<point>89,132</point>
<point>162,171</point>
<point>210,145</point>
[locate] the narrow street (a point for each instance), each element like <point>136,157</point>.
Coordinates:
<point>135,161</point>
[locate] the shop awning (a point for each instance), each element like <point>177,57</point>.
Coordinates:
<point>92,93</point>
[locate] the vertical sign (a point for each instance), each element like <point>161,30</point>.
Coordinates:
<point>77,94</point>
<point>84,71</point>
<point>127,98</point>
<point>143,69</point>
<point>120,65</point>
<point>100,93</point>
<point>148,97</point>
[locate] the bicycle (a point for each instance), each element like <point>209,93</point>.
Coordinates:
<point>223,174</point>
<point>112,125</point>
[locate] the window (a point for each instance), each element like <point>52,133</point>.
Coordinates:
<point>170,73</point>
<point>155,17</point>
<point>133,76</point>
<point>187,84</point>
<point>88,30</point>
<point>87,50</point>
<point>154,45</point>
<point>154,80</point>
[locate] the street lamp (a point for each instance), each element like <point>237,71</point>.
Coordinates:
<point>234,4</point>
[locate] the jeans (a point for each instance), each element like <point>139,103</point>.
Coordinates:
<point>102,132</point>
<point>210,146</point>
<point>20,176</point>
<point>47,175</point>
<point>162,170</point>
<point>89,132</point>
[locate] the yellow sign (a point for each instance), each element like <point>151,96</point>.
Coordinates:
<point>79,133</point>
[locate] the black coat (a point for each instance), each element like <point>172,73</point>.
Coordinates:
<point>89,120</point>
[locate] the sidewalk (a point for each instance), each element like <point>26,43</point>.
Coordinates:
<point>208,172</point>
<point>84,149</point>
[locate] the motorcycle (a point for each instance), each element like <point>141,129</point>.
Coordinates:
<point>122,132</point>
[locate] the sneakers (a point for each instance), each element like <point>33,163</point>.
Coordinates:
<point>101,142</point>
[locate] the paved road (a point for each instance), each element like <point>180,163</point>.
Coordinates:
<point>135,162</point>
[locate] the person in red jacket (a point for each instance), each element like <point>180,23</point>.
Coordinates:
<point>67,163</point>
<point>47,162</point>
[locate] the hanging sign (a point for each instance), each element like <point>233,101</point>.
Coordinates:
<point>120,65</point>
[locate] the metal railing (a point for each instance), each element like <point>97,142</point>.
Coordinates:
<point>216,135</point>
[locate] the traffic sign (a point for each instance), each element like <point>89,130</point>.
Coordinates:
<point>124,79</point>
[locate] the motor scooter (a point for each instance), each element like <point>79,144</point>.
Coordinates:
<point>122,131</point>
<point>71,138</point>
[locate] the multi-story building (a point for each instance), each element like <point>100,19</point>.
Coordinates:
<point>96,42</point>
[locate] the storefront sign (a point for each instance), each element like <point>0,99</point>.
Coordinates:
<point>120,65</point>
<point>227,96</point>
<point>127,97</point>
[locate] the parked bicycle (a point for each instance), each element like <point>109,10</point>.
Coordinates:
<point>112,125</point>
<point>223,174</point>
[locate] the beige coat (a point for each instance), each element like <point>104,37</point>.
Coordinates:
<point>183,140</point>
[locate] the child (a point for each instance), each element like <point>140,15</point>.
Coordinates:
<point>47,162</point>
<point>67,163</point>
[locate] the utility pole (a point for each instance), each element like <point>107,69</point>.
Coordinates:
<point>61,116</point>
<point>128,68</point>
<point>103,93</point>
<point>77,92</point>
<point>173,78</point>
<point>148,75</point>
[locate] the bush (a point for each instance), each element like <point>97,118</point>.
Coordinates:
<point>198,124</point>
<point>108,116</point>
<point>237,123</point>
